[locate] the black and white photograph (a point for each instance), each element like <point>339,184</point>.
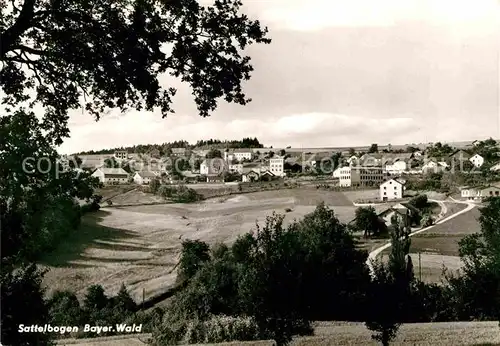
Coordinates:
<point>250,172</point>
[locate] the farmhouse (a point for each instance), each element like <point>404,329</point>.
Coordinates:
<point>477,160</point>
<point>401,215</point>
<point>144,177</point>
<point>267,175</point>
<point>391,189</point>
<point>479,193</point>
<point>402,212</point>
<point>111,175</point>
<point>250,176</point>
<point>433,167</point>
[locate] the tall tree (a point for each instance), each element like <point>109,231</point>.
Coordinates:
<point>112,54</point>
<point>480,252</point>
<point>391,288</point>
<point>373,148</point>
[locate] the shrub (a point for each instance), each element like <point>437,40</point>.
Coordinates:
<point>65,309</point>
<point>216,329</point>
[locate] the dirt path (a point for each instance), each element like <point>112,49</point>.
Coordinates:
<point>377,251</point>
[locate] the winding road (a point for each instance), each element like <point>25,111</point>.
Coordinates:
<point>372,255</point>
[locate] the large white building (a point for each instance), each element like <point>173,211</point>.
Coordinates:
<point>111,175</point>
<point>477,160</point>
<point>361,176</point>
<point>391,189</point>
<point>277,166</point>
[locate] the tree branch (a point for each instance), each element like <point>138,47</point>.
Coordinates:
<point>12,34</point>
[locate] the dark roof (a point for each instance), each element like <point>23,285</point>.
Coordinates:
<point>268,172</point>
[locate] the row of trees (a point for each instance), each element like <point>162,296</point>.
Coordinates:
<point>165,149</point>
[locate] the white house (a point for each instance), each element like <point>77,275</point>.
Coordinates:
<point>243,154</point>
<point>144,177</point>
<point>396,167</point>
<point>277,166</point>
<point>111,175</point>
<point>477,160</point>
<point>432,167</point>
<point>391,189</point>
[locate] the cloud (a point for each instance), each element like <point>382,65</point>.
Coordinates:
<point>321,129</point>
<point>313,15</point>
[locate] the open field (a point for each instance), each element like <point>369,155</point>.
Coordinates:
<point>439,245</point>
<point>135,197</point>
<point>139,245</point>
<point>109,191</point>
<point>338,333</point>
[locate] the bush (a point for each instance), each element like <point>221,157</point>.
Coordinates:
<point>65,309</point>
<point>213,330</point>
<point>179,194</point>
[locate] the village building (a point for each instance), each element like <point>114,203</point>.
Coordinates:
<point>144,177</point>
<point>250,176</point>
<point>121,155</point>
<point>391,189</point>
<point>477,160</point>
<point>212,166</point>
<point>479,193</point>
<point>111,175</point>
<point>277,166</point>
<point>361,176</point>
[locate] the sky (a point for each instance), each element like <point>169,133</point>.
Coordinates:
<point>342,73</point>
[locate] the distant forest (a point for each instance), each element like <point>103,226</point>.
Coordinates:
<point>165,148</point>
